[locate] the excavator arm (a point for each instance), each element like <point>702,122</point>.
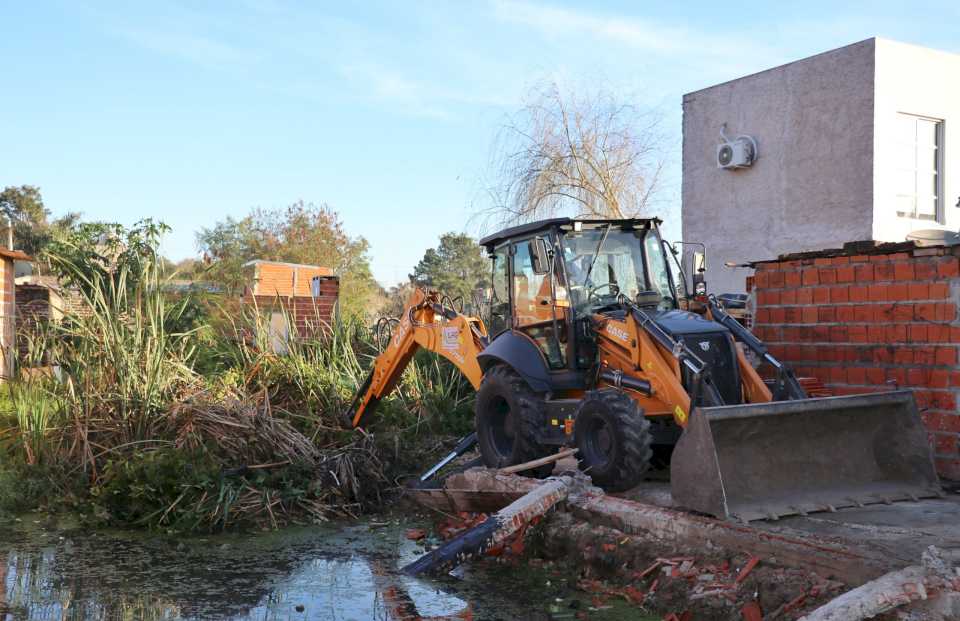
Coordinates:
<point>425,322</point>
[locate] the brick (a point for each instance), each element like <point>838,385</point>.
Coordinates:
<point>859,258</point>
<point>778,315</point>
<point>821,295</point>
<point>918,333</point>
<point>845,314</point>
<point>897,376</point>
<point>768,298</point>
<point>857,334</point>
<point>946,311</point>
<point>938,333</point>
<point>898,292</point>
<point>809,314</point>
<point>811,276</point>
<point>916,377</point>
<point>793,314</point>
<point>838,375</point>
<point>876,333</point>
<point>792,278</point>
<point>883,312</point>
<point>863,313</point>
<point>827,314</point>
<point>788,296</point>
<point>763,279</point>
<point>875,375</point>
<point>877,293</point>
<point>949,422</point>
<point>945,400</point>
<point>938,378</point>
<point>918,290</point>
<point>823,261</point>
<point>841,260</point>
<point>948,267</point>
<point>856,375</point>
<point>838,334</point>
<point>925,270</point>
<point>925,311</point>
<point>777,279</point>
<point>859,293</point>
<point>882,271</point>
<point>763,315</point>
<point>805,296</point>
<point>845,273</point>
<point>840,294</point>
<point>902,355</point>
<point>924,355</point>
<point>946,355</point>
<point>903,312</point>
<point>828,276</point>
<point>903,271</point>
<point>898,256</point>
<point>864,272</point>
<point>939,290</point>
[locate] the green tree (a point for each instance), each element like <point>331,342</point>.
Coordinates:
<point>32,229</point>
<point>107,257</point>
<point>456,267</point>
<point>301,233</point>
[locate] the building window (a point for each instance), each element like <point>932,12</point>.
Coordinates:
<point>919,167</point>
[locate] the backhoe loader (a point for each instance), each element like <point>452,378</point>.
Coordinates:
<point>594,340</point>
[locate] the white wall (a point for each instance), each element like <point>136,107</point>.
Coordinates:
<point>812,186</point>
<point>924,82</point>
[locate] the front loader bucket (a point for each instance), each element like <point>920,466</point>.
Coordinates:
<point>767,460</point>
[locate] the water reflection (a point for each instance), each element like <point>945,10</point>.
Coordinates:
<point>53,572</point>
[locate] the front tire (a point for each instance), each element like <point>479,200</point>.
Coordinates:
<point>508,418</point>
<point>614,440</point>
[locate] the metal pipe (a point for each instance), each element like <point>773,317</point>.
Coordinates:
<point>616,378</point>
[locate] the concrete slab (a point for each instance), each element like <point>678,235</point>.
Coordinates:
<point>901,531</point>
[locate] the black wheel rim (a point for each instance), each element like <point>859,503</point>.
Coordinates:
<point>598,442</point>
<point>500,427</point>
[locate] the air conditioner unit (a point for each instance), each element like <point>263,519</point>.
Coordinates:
<point>739,152</point>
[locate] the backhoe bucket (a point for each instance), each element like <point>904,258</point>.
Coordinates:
<point>766,460</point>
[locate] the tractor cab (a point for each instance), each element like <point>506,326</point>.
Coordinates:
<point>551,277</point>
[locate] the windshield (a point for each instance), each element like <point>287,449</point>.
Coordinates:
<point>617,268</point>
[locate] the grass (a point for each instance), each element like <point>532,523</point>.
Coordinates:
<point>151,413</point>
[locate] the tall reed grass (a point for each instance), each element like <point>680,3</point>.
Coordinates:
<point>161,418</point>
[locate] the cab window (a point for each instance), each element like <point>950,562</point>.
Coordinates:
<point>657,266</point>
<point>500,295</point>
<point>533,305</point>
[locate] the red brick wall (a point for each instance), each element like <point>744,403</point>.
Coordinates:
<point>866,323</point>
<point>307,314</point>
<point>7,317</point>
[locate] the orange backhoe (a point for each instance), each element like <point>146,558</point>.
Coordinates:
<point>594,340</point>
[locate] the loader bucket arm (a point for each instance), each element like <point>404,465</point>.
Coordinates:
<point>425,323</point>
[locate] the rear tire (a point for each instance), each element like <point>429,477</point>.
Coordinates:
<point>614,440</point>
<point>508,418</point>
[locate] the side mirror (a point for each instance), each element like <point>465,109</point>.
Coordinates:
<point>540,256</point>
<point>699,269</point>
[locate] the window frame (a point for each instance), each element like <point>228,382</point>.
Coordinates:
<point>939,215</point>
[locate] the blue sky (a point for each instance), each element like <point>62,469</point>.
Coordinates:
<point>189,112</point>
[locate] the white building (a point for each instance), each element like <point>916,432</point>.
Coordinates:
<point>852,144</point>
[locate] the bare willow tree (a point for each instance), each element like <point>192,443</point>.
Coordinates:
<point>570,154</point>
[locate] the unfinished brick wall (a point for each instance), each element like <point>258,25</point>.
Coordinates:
<point>307,314</point>
<point>872,322</point>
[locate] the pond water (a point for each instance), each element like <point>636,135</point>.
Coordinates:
<point>55,570</point>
